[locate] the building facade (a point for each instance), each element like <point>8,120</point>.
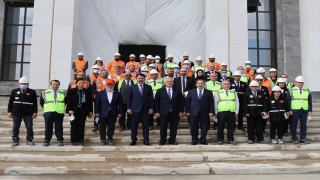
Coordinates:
<point>40,38</point>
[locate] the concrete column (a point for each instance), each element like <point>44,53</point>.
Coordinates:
<point>2,16</point>
<point>310,42</point>
<point>227,31</point>
<point>54,31</point>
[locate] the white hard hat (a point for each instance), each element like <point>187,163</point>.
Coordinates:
<point>99,59</point>
<point>157,57</point>
<point>185,54</point>
<point>142,55</point>
<point>199,58</point>
<point>299,79</point>
<point>149,57</point>
<point>282,80</point>
<point>176,66</point>
<point>261,70</point>
<point>272,70</point>
<point>96,66</point>
<point>169,56</point>
<point>258,77</point>
<point>186,62</point>
<point>276,88</point>
<point>254,83</point>
<point>224,64</point>
<point>80,54</point>
<point>144,68</point>
<point>247,62</point>
<point>151,65</point>
<point>237,73</point>
<point>23,79</point>
<point>212,56</point>
<point>117,54</point>
<point>153,71</point>
<point>132,55</point>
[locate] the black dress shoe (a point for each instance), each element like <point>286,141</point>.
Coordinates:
<point>80,144</point>
<point>162,143</point>
<point>133,143</point>
<point>74,144</point>
<point>147,143</point>
<point>194,143</point>
<point>173,143</point>
<point>204,143</point>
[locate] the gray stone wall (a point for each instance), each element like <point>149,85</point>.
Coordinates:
<point>288,38</point>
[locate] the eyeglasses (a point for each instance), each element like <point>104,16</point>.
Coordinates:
<point>128,75</point>
<point>240,69</point>
<point>283,77</point>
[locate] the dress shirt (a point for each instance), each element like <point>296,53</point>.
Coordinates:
<point>110,95</point>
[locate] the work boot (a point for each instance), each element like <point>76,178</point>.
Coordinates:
<point>30,142</point>
<point>15,142</point>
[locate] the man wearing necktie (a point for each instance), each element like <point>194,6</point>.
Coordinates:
<point>300,105</point>
<point>168,107</point>
<point>199,107</point>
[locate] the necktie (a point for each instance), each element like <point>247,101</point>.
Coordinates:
<point>200,94</point>
<point>183,83</point>
<point>214,84</point>
<point>128,83</point>
<point>141,90</point>
<point>300,91</point>
<point>154,83</point>
<point>255,94</point>
<point>259,88</point>
<point>238,85</point>
<point>23,91</point>
<point>55,95</point>
<point>227,93</point>
<point>169,94</point>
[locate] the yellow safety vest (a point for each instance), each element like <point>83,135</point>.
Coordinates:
<point>244,78</point>
<point>298,100</point>
<point>226,103</point>
<point>214,88</point>
<point>169,65</point>
<point>50,105</point>
<point>159,84</point>
<point>120,84</point>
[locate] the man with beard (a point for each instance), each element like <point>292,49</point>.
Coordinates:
<point>212,60</point>
<point>79,65</point>
<point>114,63</point>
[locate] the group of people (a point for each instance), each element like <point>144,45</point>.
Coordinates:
<point>148,90</point>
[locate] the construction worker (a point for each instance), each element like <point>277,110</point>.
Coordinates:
<point>132,61</point>
<point>284,93</point>
<point>144,70</point>
<point>53,103</point>
<point>266,82</point>
<point>159,65</point>
<point>198,66</point>
<point>176,71</point>
<point>224,65</point>
<point>226,110</point>
<point>102,84</point>
<point>244,77</point>
<point>79,65</point>
<point>148,60</point>
<point>211,70</point>
<point>288,84</point>
<point>118,75</point>
<point>116,62</point>
<point>188,66</point>
<point>300,106</point>
<point>169,63</point>
<point>214,86</point>
<point>22,105</point>
<point>273,76</point>
<point>100,63</point>
<point>185,57</point>
<point>133,72</point>
<point>80,75</point>
<point>249,71</point>
<point>212,60</point>
<point>155,84</point>
<point>142,58</point>
<point>150,67</point>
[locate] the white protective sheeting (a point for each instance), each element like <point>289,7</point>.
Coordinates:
<point>177,24</point>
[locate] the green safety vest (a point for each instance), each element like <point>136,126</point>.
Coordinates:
<point>169,65</point>
<point>196,68</point>
<point>120,84</point>
<point>226,103</point>
<point>209,85</point>
<point>273,84</point>
<point>159,84</point>
<point>298,100</point>
<point>289,85</point>
<point>244,78</point>
<point>53,106</point>
<point>228,73</point>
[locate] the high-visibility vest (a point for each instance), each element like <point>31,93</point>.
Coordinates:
<point>214,88</point>
<point>289,85</point>
<point>120,84</point>
<point>217,66</point>
<point>79,65</point>
<point>273,84</point>
<point>74,85</point>
<point>159,65</point>
<point>169,65</point>
<point>135,63</point>
<point>298,100</point>
<point>244,78</point>
<point>226,103</point>
<point>159,84</point>
<point>190,73</point>
<point>115,78</point>
<point>100,85</point>
<point>51,105</point>
<point>92,78</point>
<point>267,83</point>
<point>113,64</point>
<point>228,73</point>
<point>196,68</point>
<point>250,73</point>
<point>102,67</point>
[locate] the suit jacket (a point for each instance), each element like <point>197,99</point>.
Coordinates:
<point>163,103</point>
<point>189,85</point>
<point>103,107</point>
<point>196,106</point>
<point>138,103</point>
<point>123,90</point>
<point>249,98</point>
<point>207,75</point>
<point>73,99</point>
<point>241,90</point>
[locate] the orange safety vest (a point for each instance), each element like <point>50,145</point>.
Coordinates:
<point>79,65</point>
<point>115,78</point>
<point>74,85</point>
<point>93,78</point>
<point>102,67</point>
<point>136,64</point>
<point>113,64</point>
<point>217,66</point>
<point>182,64</point>
<point>250,73</point>
<point>268,83</point>
<point>160,66</point>
<point>190,73</point>
<point>100,85</point>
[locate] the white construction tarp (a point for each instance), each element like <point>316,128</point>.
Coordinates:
<point>177,24</point>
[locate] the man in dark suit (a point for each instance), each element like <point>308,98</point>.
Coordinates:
<point>240,87</point>
<point>123,86</point>
<point>108,107</point>
<point>200,107</point>
<point>139,105</point>
<point>48,99</point>
<point>169,107</point>
<point>211,70</point>
<point>224,76</point>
